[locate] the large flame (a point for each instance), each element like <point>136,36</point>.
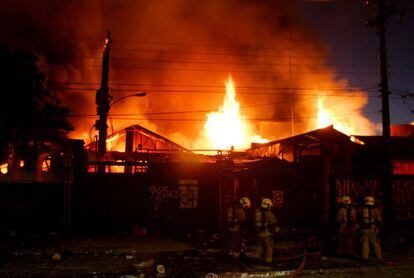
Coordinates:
<point>226,128</point>
<point>347,124</point>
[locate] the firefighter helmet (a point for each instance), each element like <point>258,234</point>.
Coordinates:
<point>346,200</point>
<point>245,202</point>
<point>369,200</point>
<point>267,203</point>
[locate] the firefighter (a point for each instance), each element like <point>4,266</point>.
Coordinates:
<point>370,221</point>
<point>347,221</point>
<point>265,224</point>
<point>237,220</point>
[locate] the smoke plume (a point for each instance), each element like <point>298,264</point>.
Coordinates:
<point>181,52</point>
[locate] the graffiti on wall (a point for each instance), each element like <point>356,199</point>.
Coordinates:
<point>188,193</point>
<point>160,194</point>
<point>358,188</point>
<point>403,195</point>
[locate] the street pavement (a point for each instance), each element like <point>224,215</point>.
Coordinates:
<point>156,256</point>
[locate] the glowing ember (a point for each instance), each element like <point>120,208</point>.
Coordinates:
<point>226,128</point>
<point>46,164</point>
<point>356,140</point>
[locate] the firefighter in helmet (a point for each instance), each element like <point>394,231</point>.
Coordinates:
<point>370,221</point>
<point>237,220</point>
<point>347,221</point>
<point>265,224</point>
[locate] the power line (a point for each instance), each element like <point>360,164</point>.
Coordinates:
<point>210,62</point>
<point>82,90</point>
<point>355,87</point>
<point>287,48</point>
<point>322,70</point>
<point>219,89</point>
<point>236,54</point>
<point>213,110</point>
<point>207,45</point>
<point>202,111</point>
<point>253,52</point>
<point>264,119</point>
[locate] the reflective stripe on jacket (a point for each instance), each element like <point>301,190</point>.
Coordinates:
<point>265,222</point>
<point>347,216</point>
<point>236,216</point>
<point>370,217</point>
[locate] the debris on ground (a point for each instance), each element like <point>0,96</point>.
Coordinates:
<point>56,257</point>
<point>144,264</point>
<point>160,270</point>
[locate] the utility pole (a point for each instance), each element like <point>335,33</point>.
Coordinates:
<point>103,102</point>
<point>382,13</point>
<point>292,101</point>
<point>385,109</point>
<point>382,18</point>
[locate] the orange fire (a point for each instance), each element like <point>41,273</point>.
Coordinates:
<point>343,120</point>
<point>226,128</point>
<point>116,142</point>
<point>4,168</point>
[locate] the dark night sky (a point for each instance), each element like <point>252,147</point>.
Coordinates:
<point>341,25</point>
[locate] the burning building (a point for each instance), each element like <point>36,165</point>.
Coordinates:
<point>349,165</point>
<point>134,146</point>
<point>180,52</point>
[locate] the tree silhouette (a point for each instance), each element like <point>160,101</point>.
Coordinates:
<point>30,114</point>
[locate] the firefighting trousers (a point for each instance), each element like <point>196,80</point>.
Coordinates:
<point>265,244</point>
<point>236,243</point>
<point>369,237</point>
<point>346,240</point>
